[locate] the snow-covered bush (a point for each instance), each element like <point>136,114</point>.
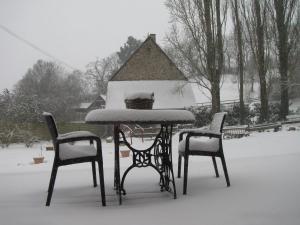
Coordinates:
<point>252,114</point>
<point>202,115</point>
<point>7,133</point>
<point>233,115</point>
<point>11,133</point>
<point>274,112</point>
<point>26,137</point>
<point>109,139</point>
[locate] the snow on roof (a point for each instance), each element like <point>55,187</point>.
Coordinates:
<point>85,105</point>
<point>168,94</point>
<point>103,97</point>
<point>140,95</point>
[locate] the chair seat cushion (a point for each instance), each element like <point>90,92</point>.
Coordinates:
<point>200,144</point>
<point>69,151</point>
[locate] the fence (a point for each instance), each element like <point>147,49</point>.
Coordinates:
<point>227,103</point>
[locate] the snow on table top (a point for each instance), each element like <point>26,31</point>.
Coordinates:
<point>139,116</point>
<point>140,95</point>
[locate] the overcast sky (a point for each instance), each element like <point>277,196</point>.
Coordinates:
<point>74,31</point>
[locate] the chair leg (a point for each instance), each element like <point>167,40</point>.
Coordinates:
<point>179,166</point>
<point>51,184</point>
<point>94,174</point>
<point>101,178</point>
<point>215,166</point>
<point>185,176</point>
<point>225,170</point>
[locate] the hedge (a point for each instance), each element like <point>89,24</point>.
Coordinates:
<point>30,132</point>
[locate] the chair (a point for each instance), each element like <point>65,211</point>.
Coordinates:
<point>67,153</point>
<point>209,144</point>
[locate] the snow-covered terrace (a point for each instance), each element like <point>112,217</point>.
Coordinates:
<point>263,168</point>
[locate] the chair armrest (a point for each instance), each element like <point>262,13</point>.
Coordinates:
<point>200,132</point>
<point>76,136</point>
<point>186,131</point>
<point>205,133</point>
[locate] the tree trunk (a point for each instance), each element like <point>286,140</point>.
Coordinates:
<point>282,46</point>
<point>220,57</point>
<point>264,113</point>
<point>252,83</point>
<point>211,58</point>
<point>240,56</point>
<point>215,93</point>
<point>261,62</point>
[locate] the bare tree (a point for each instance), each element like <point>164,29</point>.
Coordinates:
<point>286,30</point>
<point>229,53</point>
<point>100,71</point>
<point>240,54</point>
<point>255,19</point>
<point>197,36</point>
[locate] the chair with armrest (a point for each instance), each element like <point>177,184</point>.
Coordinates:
<point>202,142</point>
<point>67,153</point>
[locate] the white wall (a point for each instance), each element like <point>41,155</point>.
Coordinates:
<point>168,94</point>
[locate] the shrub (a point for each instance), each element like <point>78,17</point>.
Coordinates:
<point>202,115</point>
<point>274,112</point>
<point>252,114</point>
<point>29,133</point>
<point>26,137</point>
<point>7,133</point>
<point>233,115</point>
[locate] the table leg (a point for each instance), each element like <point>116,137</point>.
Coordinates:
<point>117,163</point>
<point>162,147</point>
<point>163,158</point>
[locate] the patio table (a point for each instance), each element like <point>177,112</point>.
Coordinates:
<point>158,155</point>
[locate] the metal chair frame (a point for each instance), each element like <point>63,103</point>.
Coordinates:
<point>69,138</point>
<point>188,152</point>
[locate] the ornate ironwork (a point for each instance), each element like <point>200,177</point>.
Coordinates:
<point>163,158</point>
<point>158,156</point>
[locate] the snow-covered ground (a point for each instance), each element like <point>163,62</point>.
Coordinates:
<point>229,90</point>
<point>263,168</point>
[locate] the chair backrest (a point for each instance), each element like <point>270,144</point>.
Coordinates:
<point>217,122</point>
<point>51,125</point>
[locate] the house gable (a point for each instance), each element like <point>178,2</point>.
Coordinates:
<point>99,102</point>
<point>148,62</point>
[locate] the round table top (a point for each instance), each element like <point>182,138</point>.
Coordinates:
<point>131,116</point>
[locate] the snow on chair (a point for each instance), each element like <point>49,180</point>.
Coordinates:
<point>67,153</point>
<point>203,143</point>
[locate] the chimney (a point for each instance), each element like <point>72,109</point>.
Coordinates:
<point>153,37</point>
